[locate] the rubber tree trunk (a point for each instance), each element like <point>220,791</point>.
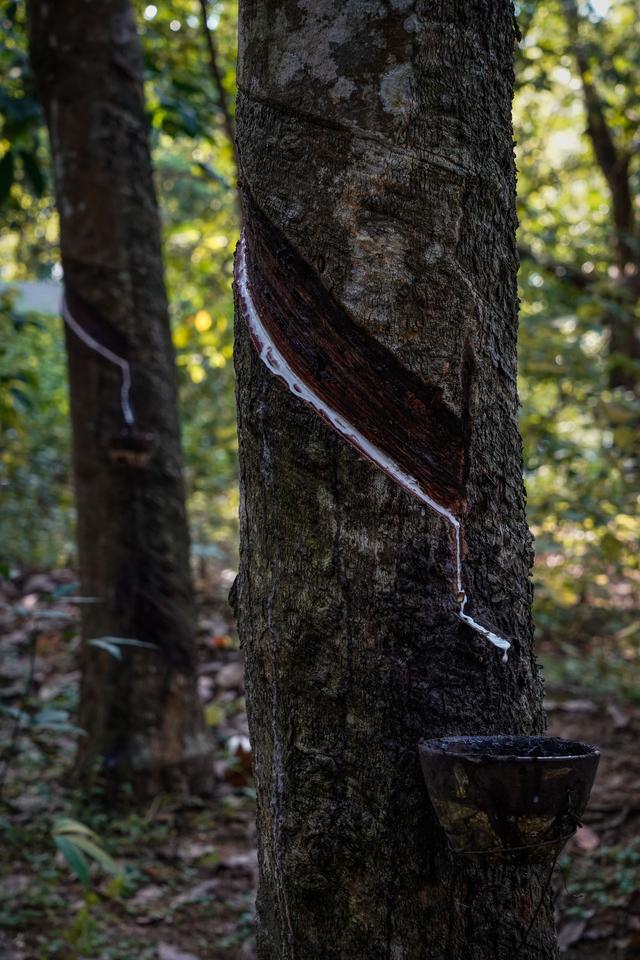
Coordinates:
<point>377,138</point>
<point>141,713</point>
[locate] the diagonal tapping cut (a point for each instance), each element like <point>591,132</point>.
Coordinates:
<point>308,341</point>
<point>81,331</point>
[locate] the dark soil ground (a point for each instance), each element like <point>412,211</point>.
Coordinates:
<point>597,881</point>
<point>185,874</point>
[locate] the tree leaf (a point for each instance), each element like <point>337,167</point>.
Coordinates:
<point>98,854</point>
<point>50,615</point>
<point>113,644</point>
<point>104,644</point>
<point>68,825</point>
<point>74,857</point>
<point>76,842</point>
<point>57,720</point>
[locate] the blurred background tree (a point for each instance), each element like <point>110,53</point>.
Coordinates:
<point>577,114</point>
<point>578,384</point>
<point>140,711</point>
<point>195,181</point>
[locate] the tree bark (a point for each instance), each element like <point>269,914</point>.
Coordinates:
<point>377,139</point>
<point>141,713</point>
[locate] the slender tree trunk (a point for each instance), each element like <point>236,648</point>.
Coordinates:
<point>377,138</point>
<point>614,163</point>
<point>141,713</point>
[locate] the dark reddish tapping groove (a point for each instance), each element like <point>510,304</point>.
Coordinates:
<point>352,372</point>
<point>310,342</point>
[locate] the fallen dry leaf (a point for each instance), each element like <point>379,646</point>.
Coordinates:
<point>586,839</point>
<point>578,706</point>
<point>569,934</point>
<point>13,885</point>
<point>621,718</point>
<point>231,677</point>
<point>146,895</point>
<point>202,891</point>
<point>221,641</point>
<point>58,684</point>
<point>167,952</point>
<point>39,583</point>
<point>242,862</point>
<point>205,687</point>
<point>194,850</point>
<point>600,933</point>
<point>9,949</point>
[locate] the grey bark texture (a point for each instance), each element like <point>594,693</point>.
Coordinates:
<point>377,137</point>
<point>141,714</point>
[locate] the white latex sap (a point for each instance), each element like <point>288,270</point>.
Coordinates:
<point>276,363</point>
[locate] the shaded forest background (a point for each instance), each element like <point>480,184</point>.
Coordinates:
<point>576,128</point>
<point>579,433</point>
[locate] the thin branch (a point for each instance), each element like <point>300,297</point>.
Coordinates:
<point>613,162</point>
<point>223,100</point>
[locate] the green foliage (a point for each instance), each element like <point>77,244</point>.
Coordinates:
<point>34,439</point>
<point>606,879</point>
<point>611,670</point>
<point>76,842</point>
<point>26,205</point>
<point>580,435</point>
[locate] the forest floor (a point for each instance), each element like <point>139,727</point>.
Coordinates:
<point>186,873</point>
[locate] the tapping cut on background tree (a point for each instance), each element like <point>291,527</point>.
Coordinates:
<point>195,177</point>
<point>377,141</point>
<point>141,712</point>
